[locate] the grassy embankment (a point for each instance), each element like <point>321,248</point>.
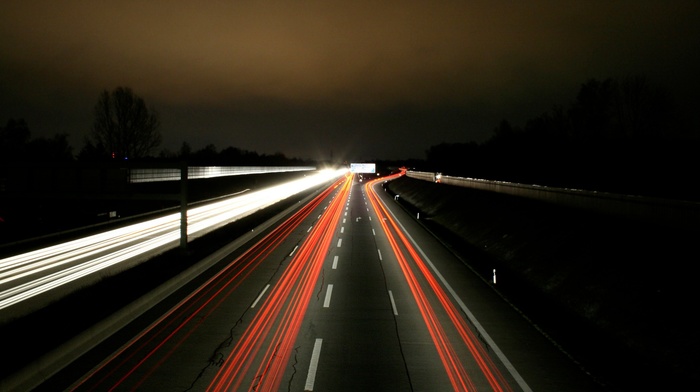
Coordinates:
<point>616,294</point>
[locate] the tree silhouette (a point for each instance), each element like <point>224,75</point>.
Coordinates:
<point>593,112</point>
<point>55,149</point>
<point>619,136</point>
<point>643,109</point>
<point>124,128</point>
<point>13,140</point>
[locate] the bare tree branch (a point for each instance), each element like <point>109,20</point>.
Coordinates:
<point>124,128</point>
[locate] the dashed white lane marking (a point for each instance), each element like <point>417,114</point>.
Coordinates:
<point>343,220</point>
<point>260,296</point>
<point>327,300</point>
<point>294,250</point>
<point>313,365</point>
<point>310,227</point>
<point>340,241</point>
<point>393,304</point>
<point>342,229</point>
<point>373,232</point>
<point>379,252</point>
<point>509,366</point>
<point>335,262</point>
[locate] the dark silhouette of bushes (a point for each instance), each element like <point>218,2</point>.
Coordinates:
<point>16,145</point>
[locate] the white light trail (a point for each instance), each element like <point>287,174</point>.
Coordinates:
<point>30,274</point>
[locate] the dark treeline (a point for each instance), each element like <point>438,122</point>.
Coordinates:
<point>124,129</point>
<point>620,136</point>
<point>229,156</point>
<point>17,146</point>
<point>617,136</point>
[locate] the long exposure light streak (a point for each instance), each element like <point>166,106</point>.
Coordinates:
<point>132,365</point>
<point>33,273</point>
<point>453,364</point>
<point>290,297</point>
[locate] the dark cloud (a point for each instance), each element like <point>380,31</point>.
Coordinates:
<point>307,77</point>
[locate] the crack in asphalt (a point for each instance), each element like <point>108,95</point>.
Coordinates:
<point>294,368</point>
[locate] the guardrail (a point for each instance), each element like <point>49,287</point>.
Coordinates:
<point>649,209</point>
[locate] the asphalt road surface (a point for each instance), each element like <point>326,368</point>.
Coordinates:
<point>349,294</point>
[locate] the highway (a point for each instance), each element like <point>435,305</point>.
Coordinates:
<point>31,279</point>
<point>349,293</point>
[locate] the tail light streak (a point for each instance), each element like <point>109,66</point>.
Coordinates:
<point>454,367</point>
<point>133,364</point>
<point>290,297</point>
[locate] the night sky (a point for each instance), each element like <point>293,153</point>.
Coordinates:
<point>321,79</point>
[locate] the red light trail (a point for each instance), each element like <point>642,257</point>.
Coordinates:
<point>256,352</point>
<point>131,366</point>
<point>291,296</point>
<point>454,366</point>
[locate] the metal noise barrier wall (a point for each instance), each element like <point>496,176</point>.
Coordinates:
<point>195,172</point>
<point>662,211</point>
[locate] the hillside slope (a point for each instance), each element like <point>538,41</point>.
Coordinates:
<point>617,295</point>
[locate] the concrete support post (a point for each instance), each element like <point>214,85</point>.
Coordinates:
<point>183,206</point>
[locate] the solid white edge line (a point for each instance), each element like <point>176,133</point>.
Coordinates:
<point>393,304</point>
<point>511,369</point>
<point>329,292</point>
<point>260,296</point>
<point>313,365</point>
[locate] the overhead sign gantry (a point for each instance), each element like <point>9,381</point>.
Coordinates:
<point>363,168</point>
